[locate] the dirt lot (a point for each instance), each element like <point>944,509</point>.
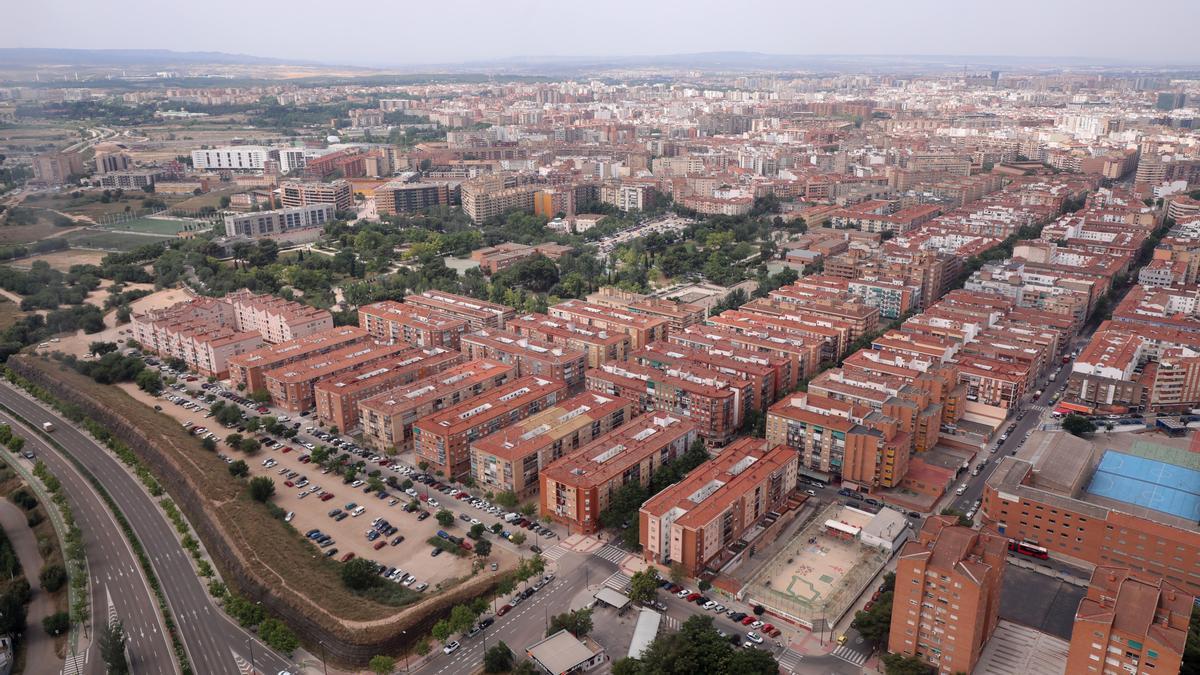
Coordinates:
<point>62,260</point>
<point>412,555</point>
<point>24,234</point>
<point>78,343</point>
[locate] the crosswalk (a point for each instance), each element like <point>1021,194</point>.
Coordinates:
<point>789,660</point>
<point>611,553</point>
<point>669,622</point>
<point>847,654</point>
<point>74,664</point>
<point>618,581</point>
<point>554,552</point>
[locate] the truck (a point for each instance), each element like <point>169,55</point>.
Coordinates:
<point>47,426</point>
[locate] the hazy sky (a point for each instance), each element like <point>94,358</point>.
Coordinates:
<point>397,32</point>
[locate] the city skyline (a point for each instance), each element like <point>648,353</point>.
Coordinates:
<point>415,35</point>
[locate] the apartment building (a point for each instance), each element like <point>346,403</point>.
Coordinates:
<point>387,418</point>
<point>834,339</point>
<point>694,520</point>
<point>500,257</point>
<point>600,346</point>
<point>947,597</point>
<point>56,168</point>
<point>337,397</point>
<point>800,356</point>
<point>292,386</point>
<point>339,193</point>
<point>577,488</point>
<point>641,329</point>
<point>234,158</point>
<point>1129,624</point>
<point>529,356</point>
<point>512,459</point>
<point>756,370</point>
<point>248,370</point>
<point>207,332</point>
<point>443,439</point>
<point>679,315</point>
<point>846,310</point>
<point>403,197</point>
<point>129,179</point>
<point>715,402</point>
<point>1100,507</point>
<point>298,225</point>
<point>393,321</point>
<point>491,196</point>
<point>276,319</point>
<point>478,314</point>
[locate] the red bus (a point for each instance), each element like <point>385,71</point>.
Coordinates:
<point>1031,550</point>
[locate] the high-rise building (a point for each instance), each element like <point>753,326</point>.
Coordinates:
<point>235,158</point>
<point>1129,624</point>
<point>391,320</point>
<point>295,193</point>
<point>947,597</point>
<point>55,168</point>
<point>401,197</point>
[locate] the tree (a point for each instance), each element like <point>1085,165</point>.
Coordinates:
<point>962,519</point>
<point>233,440</point>
<point>359,574</point>
<point>899,664</point>
<point>483,548</point>
<point>441,630</point>
<point>507,499</point>
<point>381,665</point>
<point>112,649</point>
<point>238,469</point>
<point>52,577</point>
<point>209,444</point>
<point>461,618</point>
<point>517,538</point>
<point>102,348</point>
<point>697,647</point>
<point>644,585</point>
<point>57,623</point>
<point>875,623</point>
<point>278,636</point>
<point>678,573</point>
<point>1077,425</point>
<point>249,446</point>
<point>262,488</point>
<point>498,659</point>
<point>477,531</point>
<point>577,623</point>
<point>444,518</point>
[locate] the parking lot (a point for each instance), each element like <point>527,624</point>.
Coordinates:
<point>319,499</point>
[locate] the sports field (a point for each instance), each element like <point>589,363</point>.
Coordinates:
<point>111,241</point>
<point>817,576</point>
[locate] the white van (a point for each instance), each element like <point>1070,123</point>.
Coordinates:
<point>510,517</point>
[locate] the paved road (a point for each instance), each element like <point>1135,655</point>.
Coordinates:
<point>209,636</point>
<point>112,566</point>
<point>39,646</point>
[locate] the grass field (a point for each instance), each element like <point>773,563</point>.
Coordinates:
<point>93,208</point>
<point>24,234</point>
<point>149,225</point>
<point>111,241</point>
<point>9,313</point>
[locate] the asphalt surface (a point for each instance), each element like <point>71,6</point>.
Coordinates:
<point>209,636</point>
<point>112,566</point>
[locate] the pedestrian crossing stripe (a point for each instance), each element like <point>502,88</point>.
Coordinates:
<point>846,654</point>
<point>554,552</point>
<point>789,660</point>
<point>611,553</point>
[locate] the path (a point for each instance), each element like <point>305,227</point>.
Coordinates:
<point>39,646</point>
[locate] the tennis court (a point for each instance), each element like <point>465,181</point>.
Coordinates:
<point>1153,484</point>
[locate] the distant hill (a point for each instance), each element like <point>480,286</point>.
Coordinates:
<point>128,57</point>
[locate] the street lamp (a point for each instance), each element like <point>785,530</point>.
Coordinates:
<point>324,666</point>
<point>403,633</point>
<point>250,643</point>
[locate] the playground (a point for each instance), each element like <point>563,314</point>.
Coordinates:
<point>816,577</point>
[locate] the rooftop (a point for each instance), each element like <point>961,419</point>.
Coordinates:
<point>1146,482</point>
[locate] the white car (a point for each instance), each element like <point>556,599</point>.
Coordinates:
<point>684,593</point>
<point>751,636</point>
<point>710,604</point>
<point>452,647</point>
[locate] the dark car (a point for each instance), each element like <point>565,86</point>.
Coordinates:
<point>486,621</point>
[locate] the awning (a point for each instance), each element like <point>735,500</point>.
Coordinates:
<point>1066,407</point>
<point>819,475</point>
<point>612,598</point>
<point>842,527</point>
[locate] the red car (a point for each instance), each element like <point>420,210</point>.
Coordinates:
<point>327,496</point>
<point>462,495</point>
<point>305,459</point>
<point>289,483</point>
<point>692,597</point>
<point>348,557</point>
<point>748,620</point>
<point>380,544</point>
<point>767,628</point>
<point>775,633</point>
<point>467,545</point>
<point>503,610</point>
<point>262,409</point>
<point>286,450</point>
<point>867,607</point>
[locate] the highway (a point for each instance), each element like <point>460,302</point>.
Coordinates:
<point>209,636</point>
<point>112,567</point>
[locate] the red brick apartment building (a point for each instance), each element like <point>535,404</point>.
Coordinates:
<point>947,597</point>
<point>250,369</point>
<point>757,370</point>
<point>577,487</point>
<point>276,319</point>
<point>641,329</point>
<point>529,355</point>
<point>291,386</point>
<point>337,397</point>
<point>716,402</point>
<point>387,419</point>
<point>834,340</point>
<point>1041,497</point>
<point>692,521</point>
<point>478,314</point>
<point>443,439</point>
<point>1129,624</point>
<point>511,460</point>
<point>679,315</point>
<point>803,356</point>
<point>396,322</point>
<point>840,310</point>
<point>601,346</point>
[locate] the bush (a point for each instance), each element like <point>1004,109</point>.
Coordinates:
<point>53,577</point>
<point>238,469</point>
<point>262,488</point>
<point>359,574</point>
<point>57,623</point>
<point>278,636</point>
